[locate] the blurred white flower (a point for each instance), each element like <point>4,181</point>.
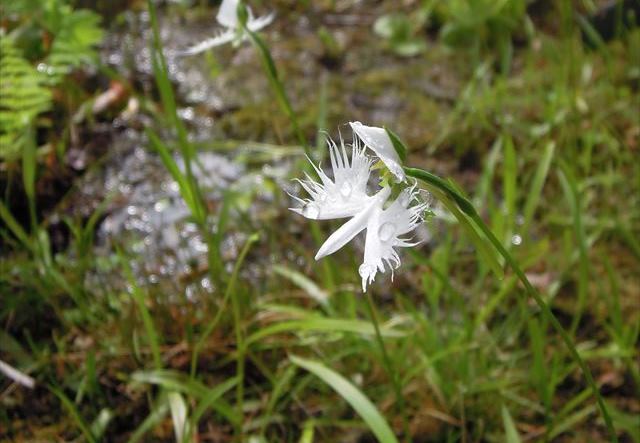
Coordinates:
<point>232,32</point>
<point>346,196</point>
<point>379,142</point>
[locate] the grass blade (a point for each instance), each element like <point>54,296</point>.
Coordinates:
<point>185,185</point>
<point>29,166</point>
<point>304,283</point>
<point>75,414</point>
<point>321,324</point>
<point>14,226</point>
<point>570,188</point>
<point>511,433</point>
<point>485,252</point>
<point>147,321</point>
<point>535,192</point>
<point>276,84</point>
<point>178,409</point>
<point>509,185</point>
<point>352,395</point>
<point>157,414</point>
<point>468,209</point>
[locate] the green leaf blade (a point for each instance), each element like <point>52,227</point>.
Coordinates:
<point>352,395</point>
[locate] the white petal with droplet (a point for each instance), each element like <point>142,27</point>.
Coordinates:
<point>222,38</point>
<point>384,231</point>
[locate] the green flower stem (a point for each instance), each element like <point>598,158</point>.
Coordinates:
<point>466,207</point>
<point>389,367</point>
<point>276,85</point>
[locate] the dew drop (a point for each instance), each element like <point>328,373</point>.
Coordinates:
<point>386,231</point>
<point>516,240</point>
<point>345,189</point>
<point>161,205</point>
<point>311,210</point>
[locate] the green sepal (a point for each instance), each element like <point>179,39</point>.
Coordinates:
<point>398,145</point>
<point>242,13</point>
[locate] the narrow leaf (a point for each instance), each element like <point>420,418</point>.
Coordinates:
<point>398,145</point>
<point>511,433</point>
<point>352,395</point>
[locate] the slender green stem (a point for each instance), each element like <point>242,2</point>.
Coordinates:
<point>468,209</point>
<point>237,326</point>
<point>167,96</point>
<point>389,367</point>
<point>223,305</point>
<point>277,86</point>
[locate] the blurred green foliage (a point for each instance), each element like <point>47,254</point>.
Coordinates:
<point>400,34</point>
<point>45,41</point>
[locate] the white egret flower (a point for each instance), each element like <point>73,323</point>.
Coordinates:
<point>379,142</point>
<point>346,196</point>
<point>232,32</point>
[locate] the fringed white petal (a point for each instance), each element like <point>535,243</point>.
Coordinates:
<point>343,196</point>
<point>256,24</point>
<point>222,38</point>
<point>379,142</point>
<point>384,231</point>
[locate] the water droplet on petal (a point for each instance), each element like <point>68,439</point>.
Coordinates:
<point>345,189</point>
<point>386,231</point>
<point>311,210</point>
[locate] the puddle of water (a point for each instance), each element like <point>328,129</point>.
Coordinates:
<point>147,214</point>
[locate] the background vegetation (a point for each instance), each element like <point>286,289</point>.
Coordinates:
<point>154,286</point>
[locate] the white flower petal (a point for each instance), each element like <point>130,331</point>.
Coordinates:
<point>345,233</point>
<point>256,24</point>
<point>228,13</point>
<point>220,39</point>
<point>345,195</point>
<point>384,231</point>
<point>379,142</point>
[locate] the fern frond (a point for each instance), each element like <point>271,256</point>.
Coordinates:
<point>22,97</point>
<point>74,43</point>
